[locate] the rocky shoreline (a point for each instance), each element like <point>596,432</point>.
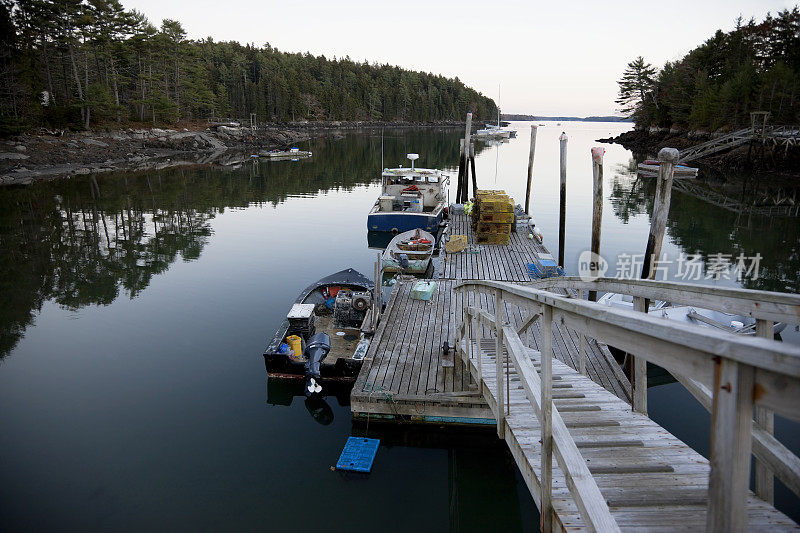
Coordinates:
<point>48,155</point>
<point>647,143</point>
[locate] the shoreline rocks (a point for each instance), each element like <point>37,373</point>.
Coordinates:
<point>54,154</point>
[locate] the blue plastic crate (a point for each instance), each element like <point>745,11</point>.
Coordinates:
<point>544,271</point>
<point>358,454</point>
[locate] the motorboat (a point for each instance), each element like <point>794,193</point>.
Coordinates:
<point>292,153</point>
<point>741,324</point>
<point>409,252</point>
<point>321,338</point>
<point>410,198</point>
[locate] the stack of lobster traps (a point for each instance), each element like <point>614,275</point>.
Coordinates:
<point>492,217</point>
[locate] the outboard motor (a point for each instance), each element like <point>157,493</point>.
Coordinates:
<point>402,260</point>
<point>318,347</point>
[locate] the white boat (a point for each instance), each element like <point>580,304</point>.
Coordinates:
<point>743,325</point>
<point>492,131</point>
<point>410,198</point>
<point>649,168</point>
<point>292,153</point>
<point>409,252</point>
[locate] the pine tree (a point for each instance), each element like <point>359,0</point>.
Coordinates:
<point>636,87</point>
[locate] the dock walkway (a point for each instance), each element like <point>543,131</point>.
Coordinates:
<point>405,373</point>
<point>649,478</point>
<point>595,462</point>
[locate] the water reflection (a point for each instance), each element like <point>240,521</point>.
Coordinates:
<point>87,240</point>
<point>698,226</point>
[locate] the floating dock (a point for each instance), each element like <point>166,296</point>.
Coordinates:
<point>406,374</point>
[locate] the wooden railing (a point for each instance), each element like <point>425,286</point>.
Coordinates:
<point>730,374</point>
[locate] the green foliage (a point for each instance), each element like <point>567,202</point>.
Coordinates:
<point>99,62</point>
<point>636,87</point>
<point>755,67</point>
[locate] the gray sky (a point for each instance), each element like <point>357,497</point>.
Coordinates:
<point>549,58</point>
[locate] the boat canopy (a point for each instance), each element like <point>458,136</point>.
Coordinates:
<point>415,175</point>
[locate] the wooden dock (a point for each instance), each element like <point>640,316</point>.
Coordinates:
<point>405,373</point>
<point>489,261</point>
<point>589,454</point>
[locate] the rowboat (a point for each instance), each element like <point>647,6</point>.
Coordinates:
<point>409,252</point>
<point>649,168</point>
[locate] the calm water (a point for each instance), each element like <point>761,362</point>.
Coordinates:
<point>134,310</point>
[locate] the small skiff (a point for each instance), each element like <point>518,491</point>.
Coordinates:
<point>650,167</point>
<point>409,252</point>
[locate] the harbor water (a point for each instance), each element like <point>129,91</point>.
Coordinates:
<point>134,309</point>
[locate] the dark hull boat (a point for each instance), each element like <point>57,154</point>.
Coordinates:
<point>320,339</point>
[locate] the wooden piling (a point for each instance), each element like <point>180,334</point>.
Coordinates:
<point>465,155</point>
<point>668,158</point>
<point>472,165</point>
<point>597,207</point>
<point>562,213</point>
<point>530,169</point>
<point>460,179</point>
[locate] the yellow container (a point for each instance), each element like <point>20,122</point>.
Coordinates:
<point>296,344</point>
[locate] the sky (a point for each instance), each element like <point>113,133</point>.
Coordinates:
<point>544,58</point>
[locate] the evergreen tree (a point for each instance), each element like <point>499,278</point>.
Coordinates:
<point>636,87</point>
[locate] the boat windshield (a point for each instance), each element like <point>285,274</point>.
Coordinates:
<point>399,180</point>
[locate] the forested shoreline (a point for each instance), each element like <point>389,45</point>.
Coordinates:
<point>754,67</point>
<point>80,64</point>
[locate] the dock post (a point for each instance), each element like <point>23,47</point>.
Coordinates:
<point>461,165</point>
<point>465,152</point>
<point>597,205</point>
<point>530,169</point>
<point>765,419</point>
<point>472,168</point>
<point>668,158</point>
<point>562,212</point>
<point>499,371</point>
<point>378,283</point>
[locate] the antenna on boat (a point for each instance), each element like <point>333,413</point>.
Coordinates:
<point>381,149</point>
<point>412,158</point>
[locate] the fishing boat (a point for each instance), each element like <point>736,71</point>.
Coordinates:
<point>410,198</point>
<point>409,252</point>
<point>649,168</point>
<point>740,324</point>
<point>320,339</point>
<point>292,153</point>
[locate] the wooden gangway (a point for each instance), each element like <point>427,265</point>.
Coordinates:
<point>614,468</point>
<point>784,136</point>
